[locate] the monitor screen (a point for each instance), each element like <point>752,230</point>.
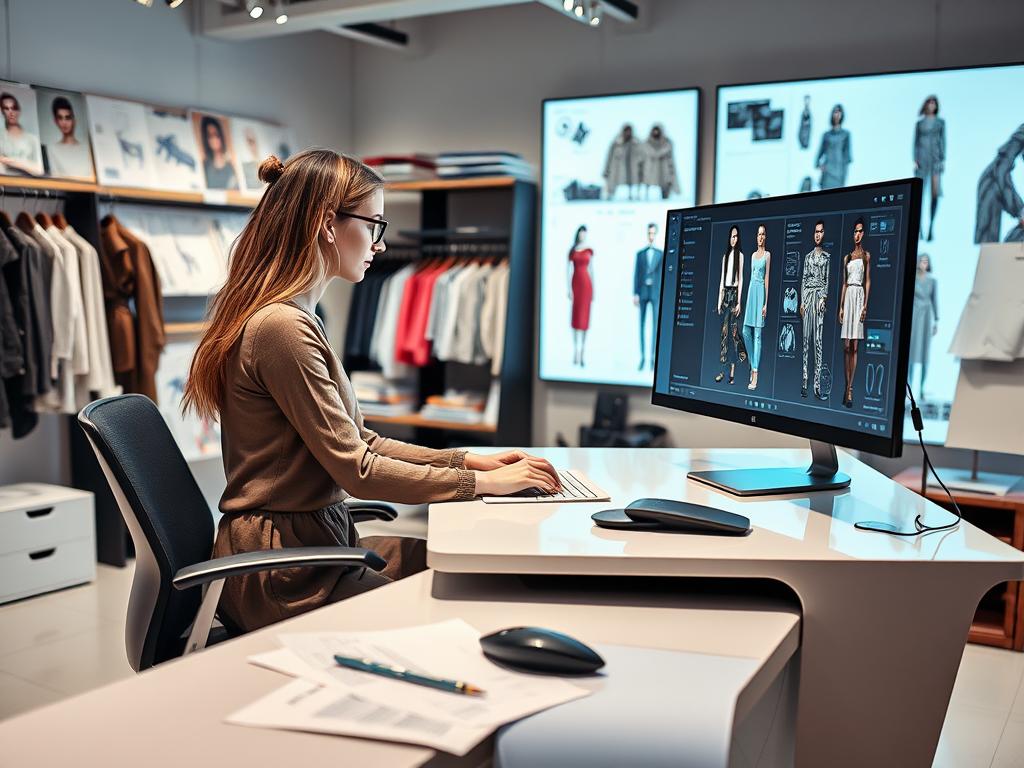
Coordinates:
<point>954,129</point>
<point>612,167</point>
<point>812,292</point>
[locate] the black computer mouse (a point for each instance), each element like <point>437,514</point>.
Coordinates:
<point>531,649</point>
<point>689,517</point>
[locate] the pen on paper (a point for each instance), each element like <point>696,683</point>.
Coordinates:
<point>401,673</point>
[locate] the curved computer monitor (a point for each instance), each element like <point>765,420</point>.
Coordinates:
<point>728,307</point>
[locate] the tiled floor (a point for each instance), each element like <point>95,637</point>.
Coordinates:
<point>68,642</point>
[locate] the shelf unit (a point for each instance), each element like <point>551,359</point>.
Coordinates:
<point>999,620</point>
<point>508,205</point>
<point>183,316</point>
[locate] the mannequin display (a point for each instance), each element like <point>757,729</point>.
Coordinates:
<point>930,157</point>
<point>730,291</point>
<point>647,288</point>
<point>757,303</point>
<point>853,305</point>
<point>813,295</point>
<point>581,292</point>
<point>834,157</point>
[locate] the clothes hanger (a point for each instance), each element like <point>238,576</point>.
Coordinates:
<point>24,219</point>
<point>5,220</point>
<point>43,217</point>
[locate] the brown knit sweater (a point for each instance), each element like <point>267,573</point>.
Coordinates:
<point>293,436</point>
<point>294,447</point>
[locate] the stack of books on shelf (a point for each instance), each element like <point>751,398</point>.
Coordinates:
<point>454,406</point>
<point>414,167</point>
<point>379,396</point>
<point>466,165</point>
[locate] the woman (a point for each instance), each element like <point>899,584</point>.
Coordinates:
<point>220,173</point>
<point>730,288</point>
<point>853,304</point>
<point>757,303</point>
<point>834,157</point>
<point>930,156</point>
<point>925,323</point>
<point>294,441</point>
<point>19,149</point>
<point>69,157</point>
<point>581,292</point>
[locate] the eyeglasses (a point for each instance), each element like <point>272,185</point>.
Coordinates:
<point>379,225</point>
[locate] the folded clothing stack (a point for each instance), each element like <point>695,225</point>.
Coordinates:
<point>461,407</point>
<point>463,165</point>
<point>379,396</point>
<point>413,167</point>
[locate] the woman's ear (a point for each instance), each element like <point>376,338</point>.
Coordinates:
<point>327,229</point>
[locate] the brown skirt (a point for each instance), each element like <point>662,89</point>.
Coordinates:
<point>258,599</point>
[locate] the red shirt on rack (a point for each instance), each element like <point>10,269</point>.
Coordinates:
<point>411,344</point>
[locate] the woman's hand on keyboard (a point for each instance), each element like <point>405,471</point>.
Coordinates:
<point>527,472</point>
<point>488,461</point>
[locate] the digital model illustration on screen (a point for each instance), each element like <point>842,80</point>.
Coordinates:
<point>612,168</point>
<point>960,131</point>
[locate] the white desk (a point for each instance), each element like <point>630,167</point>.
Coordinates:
<point>885,619</point>
<point>173,714</point>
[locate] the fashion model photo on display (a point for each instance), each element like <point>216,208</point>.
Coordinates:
<point>64,132</point>
<point>658,164</point>
<point>930,158</point>
<point>757,303</point>
<point>853,305</point>
<point>813,299</point>
<point>581,292</point>
<point>20,151</point>
<point>835,155</point>
<point>218,158</point>
<point>998,195</point>
<point>924,325</point>
<point>265,368</point>
<point>647,289</point>
<point>804,134</point>
<point>730,291</point>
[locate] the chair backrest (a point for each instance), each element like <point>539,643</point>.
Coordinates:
<point>166,513</point>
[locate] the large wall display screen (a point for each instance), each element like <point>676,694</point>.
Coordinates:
<point>960,131</point>
<point>612,168</point>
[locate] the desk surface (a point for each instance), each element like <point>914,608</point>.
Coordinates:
<point>473,537</point>
<point>173,714</point>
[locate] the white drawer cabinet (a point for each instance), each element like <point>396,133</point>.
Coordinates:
<point>47,539</point>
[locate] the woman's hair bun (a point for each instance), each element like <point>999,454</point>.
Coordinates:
<point>271,170</point>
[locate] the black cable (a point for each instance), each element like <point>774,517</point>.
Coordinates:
<point>915,415</point>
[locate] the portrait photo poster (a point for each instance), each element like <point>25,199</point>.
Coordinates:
<point>254,142</point>
<point>120,142</point>
<point>613,165</point>
<point>64,133</point>
<point>20,150</point>
<point>216,151</point>
<point>967,152</point>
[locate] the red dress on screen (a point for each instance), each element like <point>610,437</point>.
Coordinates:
<point>582,288</point>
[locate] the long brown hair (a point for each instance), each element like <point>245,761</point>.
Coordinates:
<point>276,258</point>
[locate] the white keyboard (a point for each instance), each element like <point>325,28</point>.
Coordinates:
<point>575,487</point>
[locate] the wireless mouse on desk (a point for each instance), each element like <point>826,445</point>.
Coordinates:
<point>531,649</point>
<point>685,516</point>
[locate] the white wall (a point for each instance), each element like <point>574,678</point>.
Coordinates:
<point>120,48</point>
<point>481,78</point>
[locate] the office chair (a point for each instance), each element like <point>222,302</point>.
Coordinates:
<point>176,584</point>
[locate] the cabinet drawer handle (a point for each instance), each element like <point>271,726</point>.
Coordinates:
<point>42,554</point>
<point>39,512</point>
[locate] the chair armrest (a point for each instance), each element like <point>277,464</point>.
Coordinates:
<point>272,559</point>
<point>370,510</point>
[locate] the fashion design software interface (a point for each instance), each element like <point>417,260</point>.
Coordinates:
<point>788,306</point>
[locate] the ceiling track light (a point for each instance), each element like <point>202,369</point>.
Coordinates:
<point>174,3</point>
<point>568,4</point>
<point>282,15</point>
<point>594,13</point>
<point>578,9</point>
<point>254,8</point>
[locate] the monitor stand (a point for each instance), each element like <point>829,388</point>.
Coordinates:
<point>822,475</point>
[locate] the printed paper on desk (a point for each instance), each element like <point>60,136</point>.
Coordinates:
<point>449,650</point>
<point>303,706</point>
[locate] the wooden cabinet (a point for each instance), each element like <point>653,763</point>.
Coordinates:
<point>1000,617</point>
